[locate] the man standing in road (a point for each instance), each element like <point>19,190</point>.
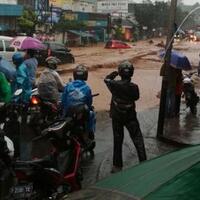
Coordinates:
<point>122,111</point>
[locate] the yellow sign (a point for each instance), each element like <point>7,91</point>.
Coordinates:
<point>65,4</point>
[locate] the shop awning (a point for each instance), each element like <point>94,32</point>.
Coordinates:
<point>81,33</point>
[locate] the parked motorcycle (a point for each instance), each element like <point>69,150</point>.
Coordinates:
<point>191,97</point>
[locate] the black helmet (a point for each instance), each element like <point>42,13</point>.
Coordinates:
<point>51,62</point>
<point>125,70</point>
<point>80,73</point>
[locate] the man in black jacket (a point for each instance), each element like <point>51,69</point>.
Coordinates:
<point>122,111</point>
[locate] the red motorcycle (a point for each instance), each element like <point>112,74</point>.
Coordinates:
<point>54,175</point>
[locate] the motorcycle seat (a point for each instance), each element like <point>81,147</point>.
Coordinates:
<point>60,125</point>
<point>35,163</point>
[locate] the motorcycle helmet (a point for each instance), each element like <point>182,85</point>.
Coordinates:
<point>125,70</point>
<point>80,73</point>
<point>52,62</point>
<point>17,58</point>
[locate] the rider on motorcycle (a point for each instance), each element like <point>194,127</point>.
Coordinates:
<point>50,84</point>
<point>22,80</point>
<point>78,94</point>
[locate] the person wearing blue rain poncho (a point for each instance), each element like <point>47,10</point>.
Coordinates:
<point>22,80</point>
<point>77,93</point>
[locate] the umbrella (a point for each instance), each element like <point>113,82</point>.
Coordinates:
<point>24,42</point>
<point>173,176</point>
<point>8,69</point>
<point>178,60</point>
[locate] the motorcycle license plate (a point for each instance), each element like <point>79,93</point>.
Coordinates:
<point>35,109</point>
<point>22,191</point>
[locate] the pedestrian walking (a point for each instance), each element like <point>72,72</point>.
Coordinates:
<point>123,113</point>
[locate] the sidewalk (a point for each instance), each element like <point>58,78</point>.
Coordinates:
<point>184,129</point>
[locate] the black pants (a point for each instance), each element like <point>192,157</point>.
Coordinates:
<point>135,134</point>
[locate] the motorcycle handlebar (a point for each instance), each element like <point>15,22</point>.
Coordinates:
<point>95,94</point>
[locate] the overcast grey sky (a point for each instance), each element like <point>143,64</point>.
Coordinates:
<point>188,2</point>
<point>191,2</point>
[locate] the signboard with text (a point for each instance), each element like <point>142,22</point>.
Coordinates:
<point>112,6</point>
<point>64,4</point>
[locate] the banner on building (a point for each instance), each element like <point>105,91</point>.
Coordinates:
<point>64,4</point>
<point>112,6</point>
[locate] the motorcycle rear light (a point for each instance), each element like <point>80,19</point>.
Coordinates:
<point>34,100</point>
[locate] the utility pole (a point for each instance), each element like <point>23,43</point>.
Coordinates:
<point>165,69</point>
<point>109,25</point>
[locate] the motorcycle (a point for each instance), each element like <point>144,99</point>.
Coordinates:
<point>52,176</point>
<point>191,97</point>
<point>42,113</point>
<point>80,115</point>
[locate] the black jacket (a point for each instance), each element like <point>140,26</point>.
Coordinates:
<point>124,94</point>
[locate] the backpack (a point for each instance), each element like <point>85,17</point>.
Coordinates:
<point>76,96</point>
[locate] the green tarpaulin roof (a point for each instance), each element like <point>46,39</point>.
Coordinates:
<point>172,176</point>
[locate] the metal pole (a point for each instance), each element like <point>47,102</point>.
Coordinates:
<point>51,15</point>
<point>165,69</point>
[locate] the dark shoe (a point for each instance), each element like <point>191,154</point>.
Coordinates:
<point>115,169</point>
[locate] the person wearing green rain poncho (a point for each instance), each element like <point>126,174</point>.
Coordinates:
<point>5,89</point>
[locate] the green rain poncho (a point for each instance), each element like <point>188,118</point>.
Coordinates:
<point>5,89</point>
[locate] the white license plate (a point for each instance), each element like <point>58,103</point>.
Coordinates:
<point>22,191</point>
<point>35,108</point>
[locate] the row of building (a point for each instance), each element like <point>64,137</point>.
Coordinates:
<point>94,13</point>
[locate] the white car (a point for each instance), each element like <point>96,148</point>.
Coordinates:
<point>5,50</point>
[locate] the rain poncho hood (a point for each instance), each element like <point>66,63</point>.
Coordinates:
<point>22,81</point>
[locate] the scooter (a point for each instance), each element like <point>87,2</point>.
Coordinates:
<point>41,113</point>
<point>80,114</point>
<point>55,175</point>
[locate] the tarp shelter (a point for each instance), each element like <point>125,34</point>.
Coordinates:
<point>173,176</point>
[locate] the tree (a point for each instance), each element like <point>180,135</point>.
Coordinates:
<point>27,21</point>
<point>155,16</point>
<point>63,25</point>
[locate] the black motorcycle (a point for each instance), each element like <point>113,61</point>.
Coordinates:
<point>54,175</point>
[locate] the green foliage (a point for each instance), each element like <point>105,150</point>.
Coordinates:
<point>118,33</point>
<point>27,21</point>
<point>155,15</point>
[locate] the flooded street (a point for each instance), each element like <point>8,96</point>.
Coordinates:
<point>147,68</point>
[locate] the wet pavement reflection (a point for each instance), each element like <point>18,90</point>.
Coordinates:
<point>185,128</point>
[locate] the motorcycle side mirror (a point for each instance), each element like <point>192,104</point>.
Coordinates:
<point>18,92</point>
